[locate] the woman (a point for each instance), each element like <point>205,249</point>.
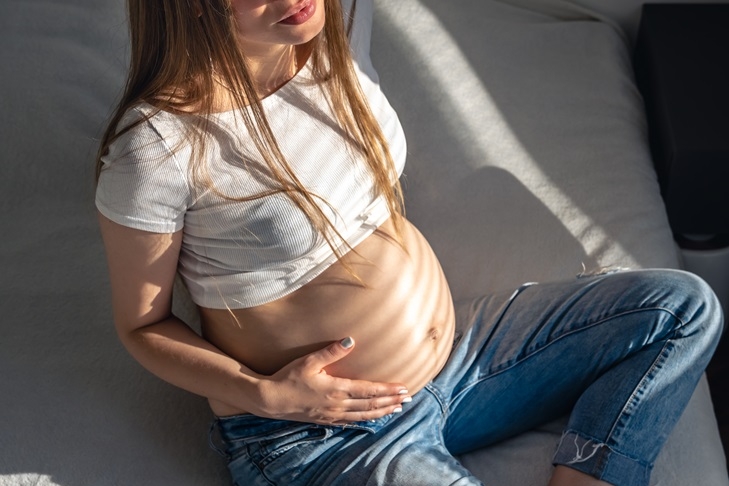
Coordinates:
<point>254,153</point>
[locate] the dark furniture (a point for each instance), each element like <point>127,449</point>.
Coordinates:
<point>682,67</point>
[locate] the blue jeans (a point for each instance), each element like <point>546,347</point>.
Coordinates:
<point>622,352</point>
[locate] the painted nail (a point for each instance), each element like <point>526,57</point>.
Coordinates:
<point>402,392</point>
<point>407,400</point>
<point>347,342</point>
<point>397,410</point>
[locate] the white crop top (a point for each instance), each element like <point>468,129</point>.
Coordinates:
<point>243,254</point>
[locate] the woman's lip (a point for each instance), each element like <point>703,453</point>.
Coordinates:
<point>299,13</point>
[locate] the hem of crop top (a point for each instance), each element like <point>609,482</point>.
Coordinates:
<point>210,294</point>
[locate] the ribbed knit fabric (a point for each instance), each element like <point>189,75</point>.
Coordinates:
<point>243,254</point>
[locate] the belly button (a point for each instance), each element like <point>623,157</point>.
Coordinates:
<point>433,333</point>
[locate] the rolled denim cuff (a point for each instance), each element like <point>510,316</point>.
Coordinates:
<point>600,461</point>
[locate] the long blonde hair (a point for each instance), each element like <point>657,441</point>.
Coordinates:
<point>174,46</point>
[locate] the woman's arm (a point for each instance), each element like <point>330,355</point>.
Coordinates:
<point>142,267</point>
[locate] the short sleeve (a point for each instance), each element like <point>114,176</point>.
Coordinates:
<point>142,184</point>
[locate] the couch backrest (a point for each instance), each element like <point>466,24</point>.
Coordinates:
<point>625,12</point>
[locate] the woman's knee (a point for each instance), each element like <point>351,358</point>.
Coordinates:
<point>688,296</point>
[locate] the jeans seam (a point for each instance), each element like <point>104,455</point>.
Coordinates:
<point>641,383</point>
<point>569,333</point>
<point>442,404</point>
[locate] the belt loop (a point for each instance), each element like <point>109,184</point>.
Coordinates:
<point>211,441</point>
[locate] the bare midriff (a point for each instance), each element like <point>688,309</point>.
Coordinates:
<point>400,314</point>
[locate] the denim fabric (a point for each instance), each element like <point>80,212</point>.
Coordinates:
<point>623,352</point>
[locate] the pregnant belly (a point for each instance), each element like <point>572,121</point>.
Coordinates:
<point>399,311</point>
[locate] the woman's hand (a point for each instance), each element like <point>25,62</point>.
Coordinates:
<point>304,392</point>
<point>142,268</point>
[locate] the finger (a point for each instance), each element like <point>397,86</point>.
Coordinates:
<point>366,415</point>
<point>356,411</point>
<point>330,354</point>
<point>374,404</point>
<point>355,389</point>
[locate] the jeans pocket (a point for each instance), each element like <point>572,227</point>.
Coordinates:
<point>282,455</point>
<point>266,450</point>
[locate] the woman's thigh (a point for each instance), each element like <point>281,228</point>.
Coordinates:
<point>528,357</point>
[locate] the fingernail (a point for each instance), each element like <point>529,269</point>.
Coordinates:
<point>347,342</point>
<point>407,400</point>
<point>402,392</point>
<point>397,410</point>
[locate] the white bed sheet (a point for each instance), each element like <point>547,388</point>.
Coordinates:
<point>528,159</point>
